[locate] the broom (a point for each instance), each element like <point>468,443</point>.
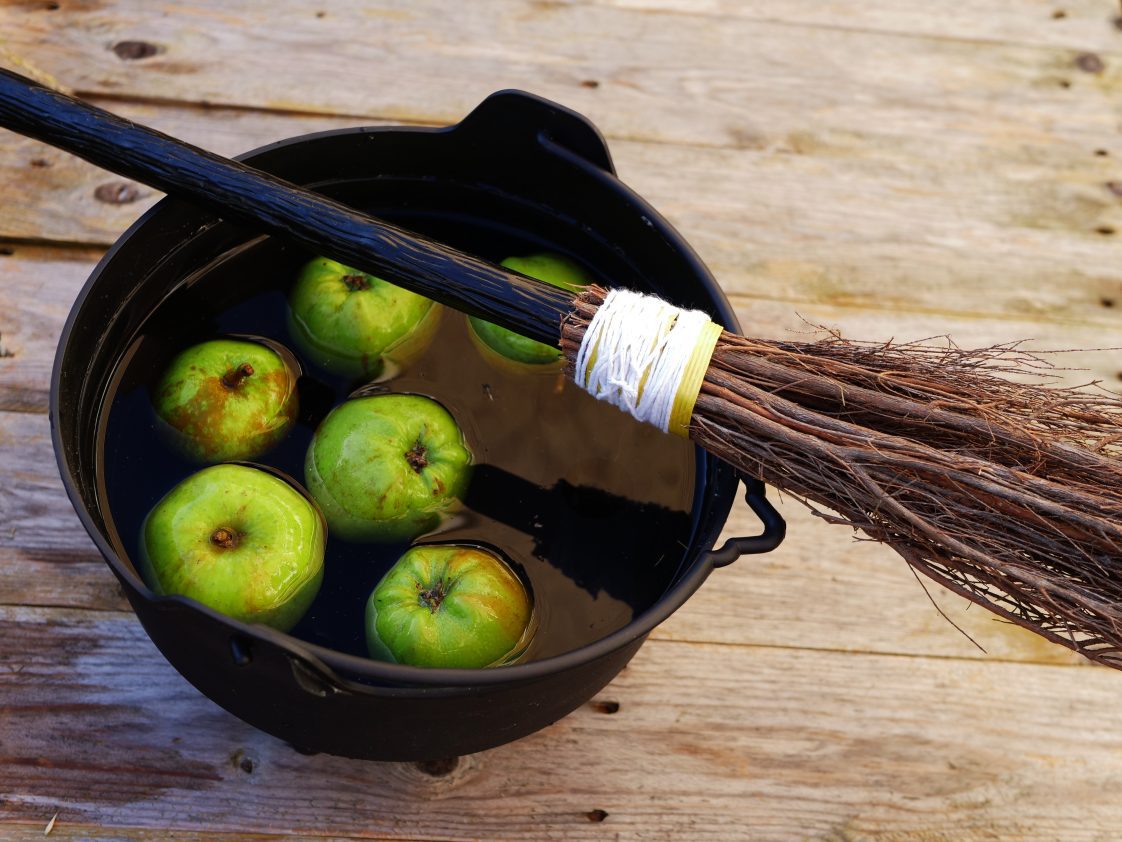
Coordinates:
<point>1009,494</point>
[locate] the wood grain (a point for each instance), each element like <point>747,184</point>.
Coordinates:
<point>830,219</point>
<point>37,288</point>
<point>1077,24</point>
<point>670,77</point>
<point>887,168</point>
<point>67,206</point>
<point>46,557</point>
<point>65,831</point>
<point>765,743</point>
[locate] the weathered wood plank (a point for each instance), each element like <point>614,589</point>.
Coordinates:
<point>50,195</point>
<point>706,742</point>
<point>638,74</point>
<point>1023,229</point>
<point>64,831</point>
<point>34,510</point>
<point>885,184</point>
<point>1002,230</point>
<point>46,557</point>
<point>1077,24</point>
<point>37,289</point>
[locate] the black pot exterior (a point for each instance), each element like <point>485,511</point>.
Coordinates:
<point>516,157</point>
<point>267,682</point>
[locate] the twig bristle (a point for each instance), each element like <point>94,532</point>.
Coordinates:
<point>993,483</point>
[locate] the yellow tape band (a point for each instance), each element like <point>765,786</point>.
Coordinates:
<point>690,386</point>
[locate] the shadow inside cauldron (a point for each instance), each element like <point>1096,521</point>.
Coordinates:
<point>566,520</point>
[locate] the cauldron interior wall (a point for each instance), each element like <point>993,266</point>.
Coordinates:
<point>518,159</point>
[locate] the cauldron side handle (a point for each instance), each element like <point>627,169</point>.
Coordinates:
<point>775,528</point>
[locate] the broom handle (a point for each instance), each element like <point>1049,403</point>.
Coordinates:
<point>240,193</point>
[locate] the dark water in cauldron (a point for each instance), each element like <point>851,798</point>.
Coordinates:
<point>592,508</point>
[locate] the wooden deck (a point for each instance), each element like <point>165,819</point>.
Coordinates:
<point>894,168</point>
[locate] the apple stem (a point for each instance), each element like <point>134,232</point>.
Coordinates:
<point>433,596</point>
<point>225,538</point>
<point>233,378</point>
<point>356,282</point>
<point>417,456</point>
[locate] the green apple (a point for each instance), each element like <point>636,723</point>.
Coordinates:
<point>354,324</point>
<point>494,341</point>
<point>448,605</point>
<point>387,467</point>
<point>239,540</point>
<point>227,399</point>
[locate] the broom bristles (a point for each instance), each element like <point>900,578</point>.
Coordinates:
<point>1007,492</point>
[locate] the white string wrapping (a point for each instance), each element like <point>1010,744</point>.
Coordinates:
<point>635,351</point>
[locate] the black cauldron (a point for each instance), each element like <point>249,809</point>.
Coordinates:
<point>518,158</point>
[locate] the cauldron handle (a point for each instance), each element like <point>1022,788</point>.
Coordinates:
<point>527,125</point>
<point>288,660</point>
<point>775,528</point>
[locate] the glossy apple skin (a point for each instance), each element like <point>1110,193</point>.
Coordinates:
<point>271,565</point>
<point>387,467</point>
<point>215,411</point>
<point>355,324</point>
<point>494,341</point>
<point>446,605</point>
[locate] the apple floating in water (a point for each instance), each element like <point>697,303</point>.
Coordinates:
<point>500,345</point>
<point>387,467</point>
<point>239,540</point>
<point>354,324</point>
<point>227,399</point>
<point>448,605</point>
